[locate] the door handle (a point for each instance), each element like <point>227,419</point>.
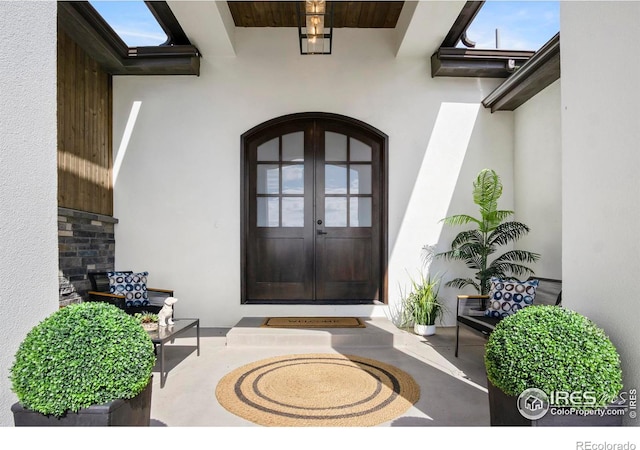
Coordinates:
<point>321,232</point>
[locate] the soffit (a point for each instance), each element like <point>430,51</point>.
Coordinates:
<point>372,14</point>
<point>418,26</point>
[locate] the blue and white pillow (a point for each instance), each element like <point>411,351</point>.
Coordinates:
<point>507,297</point>
<point>132,285</point>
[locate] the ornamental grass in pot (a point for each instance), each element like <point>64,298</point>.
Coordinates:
<point>88,364</point>
<point>422,306</point>
<point>548,365</point>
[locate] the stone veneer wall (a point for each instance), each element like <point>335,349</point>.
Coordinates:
<point>86,243</point>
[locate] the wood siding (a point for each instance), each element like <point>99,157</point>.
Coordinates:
<point>84,131</point>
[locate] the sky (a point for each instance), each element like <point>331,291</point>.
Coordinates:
<point>522,25</point>
<point>133,22</point>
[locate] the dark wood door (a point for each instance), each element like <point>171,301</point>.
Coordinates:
<point>313,212</point>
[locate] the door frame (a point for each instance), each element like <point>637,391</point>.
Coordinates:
<point>349,122</point>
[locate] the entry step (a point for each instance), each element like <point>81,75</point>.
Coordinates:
<point>378,332</point>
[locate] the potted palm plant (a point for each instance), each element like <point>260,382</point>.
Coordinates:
<point>477,247</point>
<point>88,364</point>
<point>551,366</point>
<point>422,306</point>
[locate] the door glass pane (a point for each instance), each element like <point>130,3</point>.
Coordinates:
<point>335,146</point>
<point>293,212</point>
<point>293,179</point>
<point>335,179</point>
<point>360,179</point>
<point>335,211</point>
<point>269,151</point>
<point>268,179</point>
<point>268,211</point>
<point>359,151</point>
<point>293,146</point>
<point>360,212</point>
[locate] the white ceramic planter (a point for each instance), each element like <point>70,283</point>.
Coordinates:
<point>424,330</point>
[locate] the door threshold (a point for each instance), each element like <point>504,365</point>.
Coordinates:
<point>313,302</point>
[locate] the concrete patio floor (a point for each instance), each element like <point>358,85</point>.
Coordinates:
<point>453,390</point>
<point>453,408</point>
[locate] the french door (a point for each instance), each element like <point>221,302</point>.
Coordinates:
<point>313,211</point>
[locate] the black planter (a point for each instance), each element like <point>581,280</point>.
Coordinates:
<point>131,412</point>
<point>503,410</point>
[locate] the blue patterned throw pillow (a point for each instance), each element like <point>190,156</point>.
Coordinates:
<point>132,285</point>
<point>506,297</point>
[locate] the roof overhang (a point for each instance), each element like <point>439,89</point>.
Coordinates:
<point>526,73</point>
<point>539,72</point>
<point>451,61</point>
<point>86,27</point>
<point>469,62</point>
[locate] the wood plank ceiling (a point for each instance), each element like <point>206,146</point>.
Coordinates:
<point>374,14</point>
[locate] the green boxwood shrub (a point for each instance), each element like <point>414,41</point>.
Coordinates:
<point>84,354</point>
<point>553,349</point>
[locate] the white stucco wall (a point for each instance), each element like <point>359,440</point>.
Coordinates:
<point>538,178</point>
<point>177,193</point>
<point>28,174</point>
<point>600,183</point>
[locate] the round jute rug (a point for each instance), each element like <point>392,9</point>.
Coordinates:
<point>328,390</point>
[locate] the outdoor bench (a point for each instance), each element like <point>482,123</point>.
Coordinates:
<point>470,308</point>
<point>100,293</point>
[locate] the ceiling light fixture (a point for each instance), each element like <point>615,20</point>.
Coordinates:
<point>315,27</point>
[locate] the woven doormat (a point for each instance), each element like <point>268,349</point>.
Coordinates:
<point>317,390</point>
<point>313,322</point>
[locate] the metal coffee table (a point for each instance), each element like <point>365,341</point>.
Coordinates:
<point>165,334</point>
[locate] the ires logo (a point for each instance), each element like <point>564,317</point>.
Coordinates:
<point>534,403</point>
